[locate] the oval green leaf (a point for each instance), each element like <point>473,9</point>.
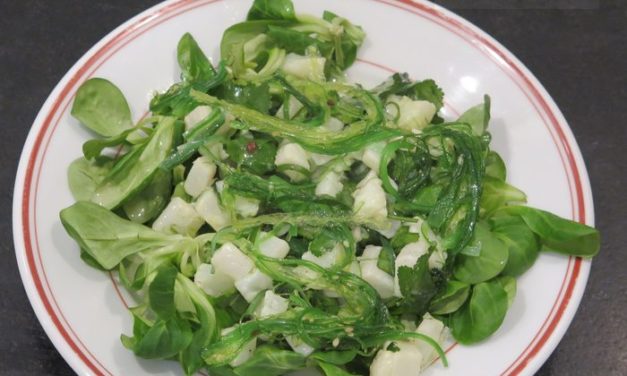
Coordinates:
<point>482,314</point>
<point>85,175</point>
<point>522,244</point>
<point>450,299</point>
<point>490,261</point>
<point>193,62</point>
<point>497,193</point>
<point>101,107</point>
<point>477,117</point>
<point>137,167</point>
<point>509,285</point>
<point>559,234</point>
<point>148,203</point>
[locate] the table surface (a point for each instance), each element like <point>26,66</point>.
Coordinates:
<point>576,48</point>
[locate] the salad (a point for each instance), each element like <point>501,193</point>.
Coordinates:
<point>268,215</point>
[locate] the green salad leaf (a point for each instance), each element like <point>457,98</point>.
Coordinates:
<point>194,64</point>
<point>136,168</point>
<point>485,257</point>
<point>450,299</point>
<point>481,315</point>
<point>477,117</point>
<point>102,107</point>
<point>85,175</point>
<point>558,234</point>
<point>522,244</point>
<point>271,10</point>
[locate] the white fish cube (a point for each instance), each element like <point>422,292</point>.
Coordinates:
<point>333,125</point>
<point>327,259</point>
<point>433,328</point>
<point>252,284</point>
<point>292,154</point>
<point>178,217</point>
<point>273,246</point>
<point>320,159</point>
<point>389,230</point>
<point>370,272</point>
<point>409,324</point>
<point>406,361</point>
<point>209,208</point>
<point>358,233</point>
<point>220,186</point>
<point>246,207</point>
<point>213,283</point>
<point>272,304</point>
<point>370,202</point>
<point>229,260</point>
<point>372,155</point>
<point>299,345</point>
<point>200,176</point>
<point>414,114</point>
<point>354,268</point>
<point>330,185</point>
<point>437,259</point>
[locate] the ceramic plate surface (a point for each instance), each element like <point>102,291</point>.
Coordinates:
<point>84,311</point>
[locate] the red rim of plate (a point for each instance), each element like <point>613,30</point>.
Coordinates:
<point>149,19</point>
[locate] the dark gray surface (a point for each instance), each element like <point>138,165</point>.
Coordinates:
<point>579,54</point>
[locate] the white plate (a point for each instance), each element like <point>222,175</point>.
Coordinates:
<point>82,309</point>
